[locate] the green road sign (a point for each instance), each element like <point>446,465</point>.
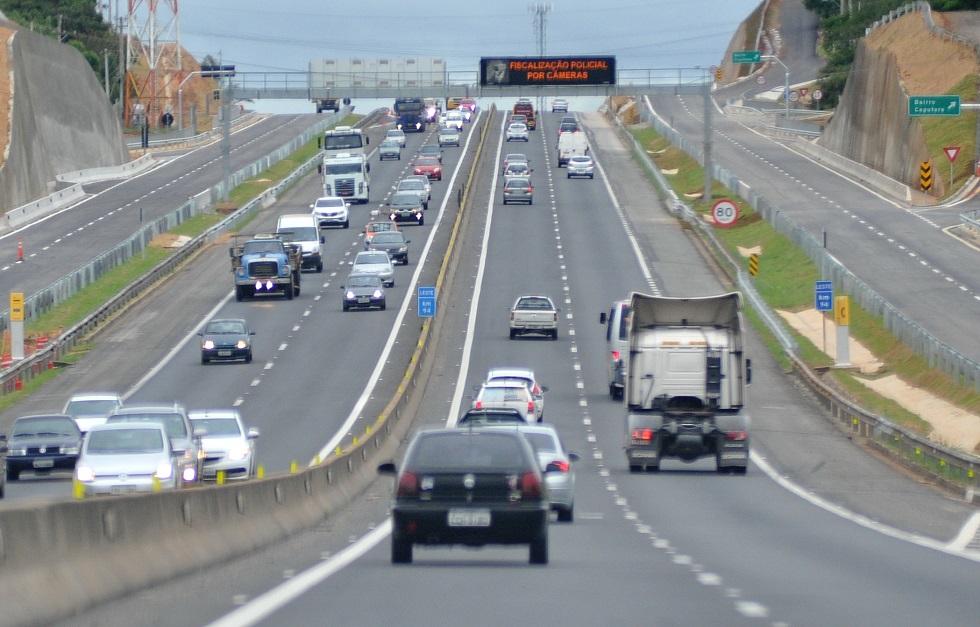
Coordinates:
<point>747,56</point>
<point>934,105</point>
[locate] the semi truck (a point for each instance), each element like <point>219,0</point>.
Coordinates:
<point>410,115</point>
<point>344,140</point>
<point>346,175</point>
<point>686,376</point>
<point>265,264</point>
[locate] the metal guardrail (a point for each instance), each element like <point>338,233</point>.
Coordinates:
<point>955,467</point>
<point>47,358</point>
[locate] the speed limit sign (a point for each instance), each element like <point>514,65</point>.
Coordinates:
<point>724,212</point>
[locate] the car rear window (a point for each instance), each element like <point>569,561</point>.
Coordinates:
<point>466,450</point>
<point>124,441</point>
<point>173,424</point>
<point>217,426</point>
<point>542,442</point>
<point>503,394</point>
<point>534,303</point>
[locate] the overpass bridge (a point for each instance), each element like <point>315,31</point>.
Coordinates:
<point>298,85</point>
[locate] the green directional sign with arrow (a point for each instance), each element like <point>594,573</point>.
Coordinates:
<point>747,56</point>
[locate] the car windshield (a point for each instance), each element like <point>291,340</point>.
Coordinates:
<point>301,234</point>
<point>391,237</point>
<point>124,441</point>
<point>390,141</point>
<point>410,184</point>
<point>380,226</point>
<point>427,161</point>
<point>519,183</point>
<point>47,426</point>
<point>371,258</point>
<point>534,303</point>
<point>91,407</point>
<point>448,131</point>
<point>329,202</point>
<point>396,134</point>
<point>363,280</point>
<point>173,424</point>
<point>405,200</point>
<point>219,327</point>
<point>465,451</point>
<point>256,247</point>
<point>214,427</point>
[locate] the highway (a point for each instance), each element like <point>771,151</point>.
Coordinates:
<point>686,546</point>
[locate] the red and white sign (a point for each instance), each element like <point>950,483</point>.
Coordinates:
<point>817,94</point>
<point>951,152</point>
<point>724,212</point>
<point>804,91</point>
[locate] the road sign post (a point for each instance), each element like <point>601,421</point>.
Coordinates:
<point>951,153</point>
<point>943,106</point>
<point>824,301</point>
<point>427,302</point>
<point>724,212</point>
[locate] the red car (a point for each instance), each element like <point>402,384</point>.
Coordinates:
<point>468,103</point>
<point>430,167</point>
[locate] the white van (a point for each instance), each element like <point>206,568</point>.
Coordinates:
<point>617,323</point>
<point>302,229</point>
<point>571,144</point>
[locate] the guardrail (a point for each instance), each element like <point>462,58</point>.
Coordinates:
<point>952,467</point>
<point>60,558</point>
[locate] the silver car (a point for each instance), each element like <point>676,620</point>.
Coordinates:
<point>517,132</point>
<point>507,393</point>
<point>91,408</point>
<point>580,165</point>
<point>228,446</point>
<point>517,170</point>
<point>416,186</point>
<point>126,457</point>
<point>525,376</point>
<point>556,465</point>
<point>374,262</point>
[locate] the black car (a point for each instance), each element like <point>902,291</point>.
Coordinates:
<point>41,444</point>
<point>406,207</point>
<point>393,243</point>
<point>226,339</point>
<point>468,486</point>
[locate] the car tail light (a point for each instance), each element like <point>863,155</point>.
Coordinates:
<point>408,484</point>
<point>530,484</point>
<point>736,436</point>
<point>478,405</point>
<point>560,465</point>
<point>530,407</point>
<point>615,355</point>
<point>418,170</point>
<point>642,436</point>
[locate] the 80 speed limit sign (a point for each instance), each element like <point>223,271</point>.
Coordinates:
<point>724,212</point>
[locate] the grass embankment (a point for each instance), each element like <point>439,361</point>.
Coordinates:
<point>786,280</point>
<point>74,309</point>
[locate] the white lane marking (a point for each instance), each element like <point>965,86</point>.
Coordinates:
<point>266,604</point>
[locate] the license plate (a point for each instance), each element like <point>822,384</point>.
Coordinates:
<point>224,353</point>
<point>363,300</point>
<point>122,489</point>
<point>644,455</point>
<point>733,455</point>
<point>44,463</point>
<point>469,518</point>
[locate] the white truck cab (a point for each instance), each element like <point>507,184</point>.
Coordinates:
<point>303,229</point>
<point>617,345</point>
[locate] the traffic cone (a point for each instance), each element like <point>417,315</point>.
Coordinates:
<point>20,248</point>
<point>42,341</point>
<point>7,360</point>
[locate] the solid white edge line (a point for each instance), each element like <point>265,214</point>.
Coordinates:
<point>264,605</point>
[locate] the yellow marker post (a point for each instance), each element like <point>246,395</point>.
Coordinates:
<point>220,477</point>
<point>261,472</point>
<point>77,489</point>
<point>156,484</point>
<point>842,318</point>
<point>292,467</point>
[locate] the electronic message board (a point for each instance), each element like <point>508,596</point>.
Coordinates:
<point>505,71</point>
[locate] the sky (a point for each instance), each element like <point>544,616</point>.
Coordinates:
<point>283,36</point>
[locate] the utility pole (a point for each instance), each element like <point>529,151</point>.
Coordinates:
<point>540,11</point>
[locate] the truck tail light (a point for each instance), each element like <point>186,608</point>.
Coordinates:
<point>642,436</point>
<point>736,436</point>
<point>408,484</point>
<point>615,355</point>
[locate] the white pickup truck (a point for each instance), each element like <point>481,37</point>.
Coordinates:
<point>534,314</point>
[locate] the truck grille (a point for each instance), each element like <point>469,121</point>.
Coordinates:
<point>344,187</point>
<point>263,269</point>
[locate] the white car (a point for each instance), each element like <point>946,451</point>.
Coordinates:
<point>331,211</point>
<point>398,135</point>
<point>454,119</point>
<point>374,262</point>
<point>507,393</point>
<point>525,376</point>
<point>580,165</point>
<point>126,457</point>
<point>91,408</point>
<point>425,182</point>
<point>416,187</point>
<point>518,169</point>
<point>517,132</point>
<point>559,104</point>
<point>513,157</point>
<point>228,446</point>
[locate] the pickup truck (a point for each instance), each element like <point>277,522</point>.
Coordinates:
<point>265,264</point>
<point>534,314</point>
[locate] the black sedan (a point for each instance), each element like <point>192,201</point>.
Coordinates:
<point>406,207</point>
<point>41,444</point>
<point>471,487</point>
<point>226,339</point>
<point>393,243</point>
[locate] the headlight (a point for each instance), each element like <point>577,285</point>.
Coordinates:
<point>84,473</point>
<point>377,293</point>
<point>349,295</point>
<point>403,249</point>
<point>69,450</point>
<point>208,345</point>
<point>17,452</point>
<point>164,471</point>
<point>240,272</point>
<point>284,270</point>
<point>238,452</point>
<point>190,474</point>
<point>241,344</point>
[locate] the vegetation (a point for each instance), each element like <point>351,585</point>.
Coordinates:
<point>843,23</point>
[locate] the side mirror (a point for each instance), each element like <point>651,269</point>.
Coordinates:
<point>387,468</point>
<point>253,433</point>
<point>748,371</point>
<point>199,432</point>
<point>367,140</point>
<point>312,206</point>
<point>231,252</point>
<point>251,332</point>
<point>602,318</point>
<point>323,240</point>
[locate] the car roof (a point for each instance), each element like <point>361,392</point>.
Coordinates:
<point>224,413</point>
<point>51,415</point>
<point>494,373</point>
<point>513,382</point>
<point>95,396</point>
<point>149,408</point>
<point>115,426</point>
<point>518,181</point>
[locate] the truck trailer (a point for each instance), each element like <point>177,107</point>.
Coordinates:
<point>685,382</point>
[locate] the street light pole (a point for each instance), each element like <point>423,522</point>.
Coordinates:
<point>180,100</point>
<point>785,93</point>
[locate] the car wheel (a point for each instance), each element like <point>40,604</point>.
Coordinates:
<point>530,202</point>
<point>569,176</point>
<point>505,201</point>
<point>635,468</point>
<point>592,176</point>
<point>566,514</point>
<point>346,223</point>
<point>612,390</point>
<point>421,221</point>
<point>3,488</point>
<point>554,334</point>
<point>289,291</point>
<point>248,358</point>
<point>13,475</point>
<point>538,553</point>
<point>346,306</point>
<point>405,261</point>
<point>425,206</point>
<point>401,551</point>
<point>384,305</point>
<point>204,360</point>
<point>239,293</point>
<point>513,334</point>
<point>319,267</point>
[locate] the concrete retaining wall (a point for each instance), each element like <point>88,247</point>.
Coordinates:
<point>60,121</point>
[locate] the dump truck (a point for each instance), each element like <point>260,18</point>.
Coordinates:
<point>265,264</point>
<point>685,382</point>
